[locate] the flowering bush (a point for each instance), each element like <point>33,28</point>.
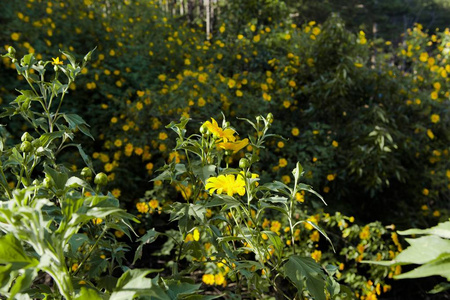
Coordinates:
<point>367,119</point>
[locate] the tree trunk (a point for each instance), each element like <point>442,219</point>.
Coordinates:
<point>208,18</point>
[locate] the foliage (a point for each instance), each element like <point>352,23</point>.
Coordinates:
<point>233,237</point>
<point>55,225</point>
<point>430,251</point>
<point>367,119</point>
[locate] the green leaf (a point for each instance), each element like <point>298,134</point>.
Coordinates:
<point>71,58</point>
<point>75,182</point>
<point>178,289</point>
<point>420,251</point>
<point>275,199</point>
<point>147,238</point>
<point>75,121</point>
<point>318,229</point>
<point>47,138</point>
<point>439,288</point>
<point>88,294</point>
<point>59,178</point>
<point>28,60</point>
<point>301,270</point>
<point>76,241</point>
<point>197,211</point>
<point>439,266</point>
<point>423,250</point>
<point>442,230</point>
<point>204,172</point>
<point>12,252</point>
<point>87,160</point>
<point>276,242</point>
<point>134,283</point>
<point>305,187</point>
<point>297,172</point>
<point>5,275</point>
<point>23,282</point>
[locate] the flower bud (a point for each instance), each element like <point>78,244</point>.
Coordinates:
<point>26,137</point>
<point>86,172</point>
<point>26,147</point>
<point>244,163</point>
<point>203,129</point>
<point>48,182</point>
<point>11,50</point>
<point>101,179</point>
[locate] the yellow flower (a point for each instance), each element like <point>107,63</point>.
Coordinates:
<point>74,267</point>
<point>15,36</point>
<point>142,207</point>
<point>228,184</point>
<point>117,143</point>
<point>196,235</point>
<point>234,146</point>
<point>435,118</point>
<point>315,236</point>
<point>335,144</point>
<point>162,136</point>
<point>300,196</point>
<point>434,95</point>
<point>430,134</point>
<point>358,65</point>
<point>316,255</point>
<point>97,221</point>
<point>116,193</point>
<point>286,179</point>
<point>154,203</point>
<point>282,162</point>
<point>365,233</point>
<point>119,233</point>
<point>275,226</point>
<point>226,135</point>
<point>162,77</point>
<point>295,131</point>
<point>331,177</point>
<point>56,61</point>
<point>219,279</point>
<point>423,57</point>
<point>231,83</point>
<point>208,279</point>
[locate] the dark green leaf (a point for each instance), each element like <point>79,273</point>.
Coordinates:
<point>301,270</point>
